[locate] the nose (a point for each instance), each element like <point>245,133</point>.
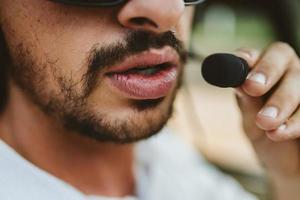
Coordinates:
<point>152,15</point>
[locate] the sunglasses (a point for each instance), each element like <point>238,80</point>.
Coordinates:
<point>101,3</point>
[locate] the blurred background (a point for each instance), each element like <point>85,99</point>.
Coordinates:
<point>208,116</point>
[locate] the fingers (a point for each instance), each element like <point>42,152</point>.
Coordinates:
<point>288,124</point>
<point>268,69</point>
<point>288,130</point>
<point>278,66</point>
<point>283,102</point>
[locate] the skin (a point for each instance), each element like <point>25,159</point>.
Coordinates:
<point>50,37</point>
<point>51,33</point>
<point>274,138</point>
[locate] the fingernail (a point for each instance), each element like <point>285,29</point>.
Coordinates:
<point>258,77</point>
<point>245,54</point>
<point>271,112</point>
<point>282,127</point>
<point>253,53</point>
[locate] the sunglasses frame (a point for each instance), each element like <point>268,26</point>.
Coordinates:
<point>107,4</point>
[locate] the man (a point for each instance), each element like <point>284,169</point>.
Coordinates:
<point>82,84</point>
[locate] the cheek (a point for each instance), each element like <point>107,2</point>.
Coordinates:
<point>185,24</point>
<point>57,35</point>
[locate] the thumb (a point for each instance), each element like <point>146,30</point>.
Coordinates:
<point>250,55</point>
<point>249,107</point>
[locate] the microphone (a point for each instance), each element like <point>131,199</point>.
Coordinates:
<point>225,70</point>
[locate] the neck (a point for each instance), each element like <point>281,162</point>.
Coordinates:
<point>92,167</point>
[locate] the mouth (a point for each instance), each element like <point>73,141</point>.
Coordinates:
<point>149,75</point>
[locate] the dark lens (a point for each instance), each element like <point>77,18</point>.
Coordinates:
<point>193,2</point>
<point>111,2</point>
<point>91,2</point>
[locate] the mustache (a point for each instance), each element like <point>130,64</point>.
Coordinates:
<point>135,42</point>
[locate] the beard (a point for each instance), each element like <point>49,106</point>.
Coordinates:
<point>70,107</point>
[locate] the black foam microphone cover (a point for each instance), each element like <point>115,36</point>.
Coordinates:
<point>225,70</point>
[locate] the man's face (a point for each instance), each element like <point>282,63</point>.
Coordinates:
<point>107,73</point>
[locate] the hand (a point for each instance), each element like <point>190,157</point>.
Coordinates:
<point>269,101</point>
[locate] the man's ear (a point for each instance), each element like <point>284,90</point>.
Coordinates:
<point>4,64</point>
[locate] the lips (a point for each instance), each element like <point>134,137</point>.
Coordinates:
<point>148,75</point>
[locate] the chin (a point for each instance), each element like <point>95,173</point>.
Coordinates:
<point>140,120</point>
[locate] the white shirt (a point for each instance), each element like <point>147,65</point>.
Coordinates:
<point>166,169</point>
